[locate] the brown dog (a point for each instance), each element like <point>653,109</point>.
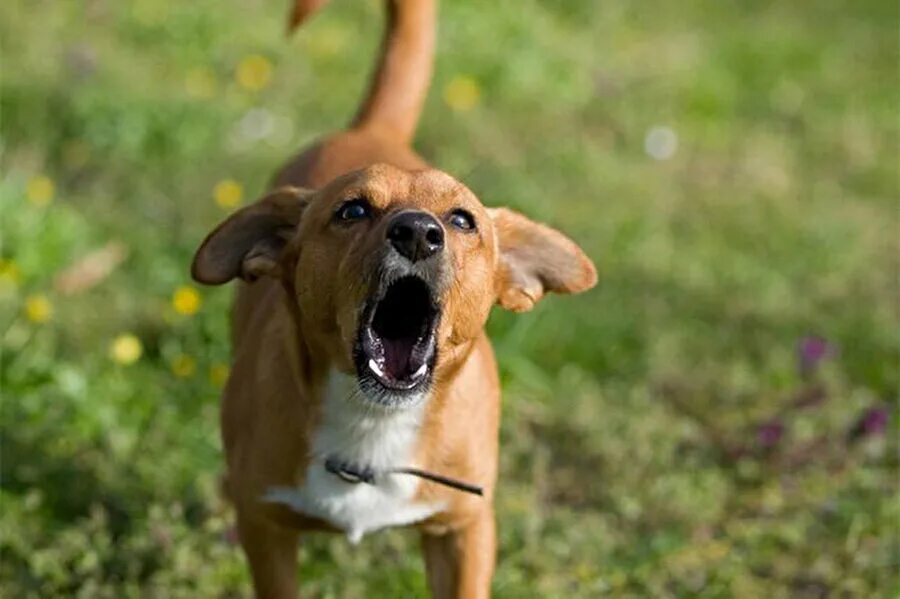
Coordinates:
<point>359,344</point>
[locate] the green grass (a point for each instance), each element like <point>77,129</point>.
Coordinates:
<point>632,458</point>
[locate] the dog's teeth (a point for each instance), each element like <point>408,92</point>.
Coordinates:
<point>373,366</point>
<point>420,371</point>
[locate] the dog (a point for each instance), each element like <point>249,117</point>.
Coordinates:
<point>364,392</point>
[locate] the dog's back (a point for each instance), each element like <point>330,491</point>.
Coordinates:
<point>386,120</point>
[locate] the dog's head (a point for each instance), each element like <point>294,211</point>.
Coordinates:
<point>393,272</point>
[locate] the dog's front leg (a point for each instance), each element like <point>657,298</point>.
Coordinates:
<point>460,564</point>
<point>272,553</point>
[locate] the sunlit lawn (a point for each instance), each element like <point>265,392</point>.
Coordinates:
<point>717,417</point>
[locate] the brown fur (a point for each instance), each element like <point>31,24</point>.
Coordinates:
<point>296,312</point>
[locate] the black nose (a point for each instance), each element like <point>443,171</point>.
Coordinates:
<point>416,235</point>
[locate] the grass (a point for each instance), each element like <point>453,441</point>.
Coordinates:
<point>659,435</point>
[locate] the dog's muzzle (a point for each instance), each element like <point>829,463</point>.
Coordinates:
<point>397,343</point>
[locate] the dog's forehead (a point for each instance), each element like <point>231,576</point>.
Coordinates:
<point>437,184</point>
<point>383,181</point>
<point>386,185</point>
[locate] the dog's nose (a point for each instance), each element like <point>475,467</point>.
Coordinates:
<point>416,235</point>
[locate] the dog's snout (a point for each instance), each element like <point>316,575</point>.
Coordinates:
<point>416,235</point>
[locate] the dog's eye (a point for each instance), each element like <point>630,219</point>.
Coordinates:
<point>462,220</point>
<point>353,210</point>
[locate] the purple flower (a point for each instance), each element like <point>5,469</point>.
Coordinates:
<point>769,434</point>
<point>872,422</point>
<point>811,351</point>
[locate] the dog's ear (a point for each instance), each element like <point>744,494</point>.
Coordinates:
<point>535,259</point>
<point>250,242</point>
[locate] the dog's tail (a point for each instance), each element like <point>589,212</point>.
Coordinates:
<point>400,82</point>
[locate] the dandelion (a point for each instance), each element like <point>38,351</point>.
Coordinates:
<point>462,93</point>
<point>186,300</point>
<point>254,72</point>
<point>257,124</point>
<point>126,349</point>
<point>218,374</point>
<point>38,308</point>
<point>40,190</point>
<point>228,193</point>
<point>184,366</point>
<point>661,143</point>
<point>10,276</point>
<point>200,83</point>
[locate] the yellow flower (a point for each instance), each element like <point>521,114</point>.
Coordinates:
<point>40,190</point>
<point>200,83</point>
<point>186,300</point>
<point>126,349</point>
<point>184,366</point>
<point>228,193</point>
<point>462,93</point>
<point>253,72</point>
<point>10,276</point>
<point>38,308</point>
<point>218,374</point>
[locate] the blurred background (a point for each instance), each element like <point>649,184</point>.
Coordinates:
<point>717,417</point>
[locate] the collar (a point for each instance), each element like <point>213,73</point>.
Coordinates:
<point>352,473</point>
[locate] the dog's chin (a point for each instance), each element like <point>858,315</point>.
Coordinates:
<point>396,344</point>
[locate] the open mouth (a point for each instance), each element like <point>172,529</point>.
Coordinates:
<point>397,336</point>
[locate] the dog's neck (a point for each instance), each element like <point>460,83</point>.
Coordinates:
<point>373,437</point>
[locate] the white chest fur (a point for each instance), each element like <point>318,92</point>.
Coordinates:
<point>380,440</point>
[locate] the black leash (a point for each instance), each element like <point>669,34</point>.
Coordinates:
<point>351,474</point>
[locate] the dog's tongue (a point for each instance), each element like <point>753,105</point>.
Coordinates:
<point>397,357</point>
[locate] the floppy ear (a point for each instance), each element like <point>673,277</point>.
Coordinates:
<point>535,259</point>
<point>249,244</point>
